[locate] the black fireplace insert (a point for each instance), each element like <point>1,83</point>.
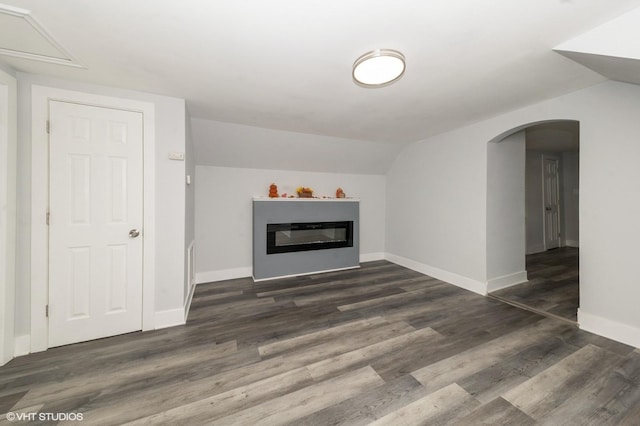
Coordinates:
<point>292,237</point>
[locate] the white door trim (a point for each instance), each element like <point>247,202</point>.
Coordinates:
<point>8,146</point>
<point>40,96</point>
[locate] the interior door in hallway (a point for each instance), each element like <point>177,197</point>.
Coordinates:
<point>551,189</point>
<point>95,222</point>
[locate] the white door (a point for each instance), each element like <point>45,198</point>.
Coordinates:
<point>551,191</point>
<point>95,222</point>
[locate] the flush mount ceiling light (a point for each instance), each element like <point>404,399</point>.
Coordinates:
<point>378,68</point>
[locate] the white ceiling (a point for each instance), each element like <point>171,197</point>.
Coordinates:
<point>286,64</point>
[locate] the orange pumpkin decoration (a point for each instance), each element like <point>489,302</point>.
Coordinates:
<point>273,191</point>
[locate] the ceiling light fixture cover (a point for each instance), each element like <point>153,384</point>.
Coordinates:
<point>378,68</point>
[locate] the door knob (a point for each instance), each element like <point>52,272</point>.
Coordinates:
<point>134,233</point>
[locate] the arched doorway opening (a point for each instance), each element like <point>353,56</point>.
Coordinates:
<point>532,217</point>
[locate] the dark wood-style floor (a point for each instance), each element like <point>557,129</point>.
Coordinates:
<point>553,286</point>
<point>380,344</point>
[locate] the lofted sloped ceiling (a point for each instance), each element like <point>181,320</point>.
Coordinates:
<point>286,64</point>
<point>611,49</point>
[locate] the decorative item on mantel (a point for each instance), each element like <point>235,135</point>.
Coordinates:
<point>273,191</point>
<point>304,192</point>
<point>340,193</point>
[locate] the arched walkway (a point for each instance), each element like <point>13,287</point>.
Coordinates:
<point>532,215</point>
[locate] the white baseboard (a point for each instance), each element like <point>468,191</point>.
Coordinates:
<point>304,273</point>
<point>247,271</point>
<point>169,318</point>
<point>370,257</point>
<point>22,345</point>
<point>572,243</point>
<point>223,274</point>
<point>608,328</point>
<point>450,277</point>
<point>506,281</point>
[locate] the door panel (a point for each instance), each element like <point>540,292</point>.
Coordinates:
<point>95,190</point>
<point>551,204</point>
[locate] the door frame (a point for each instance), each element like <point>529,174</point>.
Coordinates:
<point>8,147</point>
<point>544,220</point>
<point>40,97</point>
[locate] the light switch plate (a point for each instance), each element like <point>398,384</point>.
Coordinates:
<point>179,156</point>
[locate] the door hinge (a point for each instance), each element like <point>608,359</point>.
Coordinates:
<point>46,310</point>
<point>48,126</point>
<point>48,216</point>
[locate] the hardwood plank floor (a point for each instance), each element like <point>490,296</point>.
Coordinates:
<point>377,345</point>
<point>553,285</point>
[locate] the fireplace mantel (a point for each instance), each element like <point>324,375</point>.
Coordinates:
<point>297,199</point>
<point>332,213</point>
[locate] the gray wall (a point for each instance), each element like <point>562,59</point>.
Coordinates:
<point>224,213</point>
<point>239,146</point>
<point>571,185</point>
<point>534,203</point>
<point>505,187</point>
<point>437,200</point>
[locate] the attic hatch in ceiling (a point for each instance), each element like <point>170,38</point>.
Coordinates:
<point>21,36</point>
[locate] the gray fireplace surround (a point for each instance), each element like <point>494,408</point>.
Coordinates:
<point>269,211</point>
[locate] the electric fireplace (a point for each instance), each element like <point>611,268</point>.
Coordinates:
<point>292,237</point>
<point>302,236</point>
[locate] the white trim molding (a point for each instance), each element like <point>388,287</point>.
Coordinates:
<point>223,274</point>
<point>610,329</point>
<point>8,200</point>
<point>450,277</point>
<point>40,97</point>
<point>169,318</point>
<point>572,243</point>
<point>303,274</point>
<point>63,56</point>
<point>247,271</point>
<point>505,281</point>
<point>370,257</point>
<point>23,345</point>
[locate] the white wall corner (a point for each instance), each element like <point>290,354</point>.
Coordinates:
<point>608,328</point>
<point>23,345</point>
<point>169,318</point>
<point>370,257</point>
<point>572,243</point>
<point>505,281</point>
<point>223,274</point>
<point>450,277</point>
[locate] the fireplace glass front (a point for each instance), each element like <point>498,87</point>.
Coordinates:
<point>292,237</point>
